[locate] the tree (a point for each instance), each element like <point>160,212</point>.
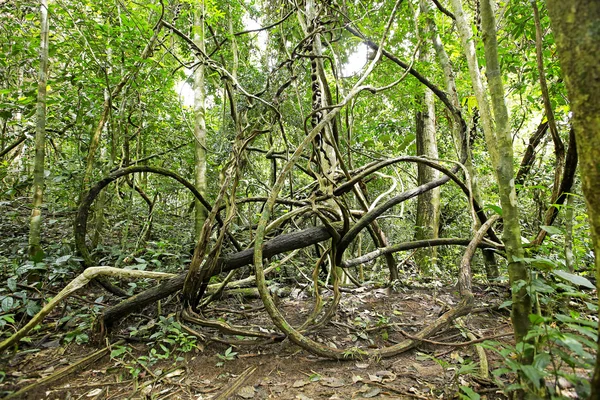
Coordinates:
<point>428,204</point>
<point>35,229</point>
<point>576,28</point>
<point>499,144</point>
<point>199,120</point>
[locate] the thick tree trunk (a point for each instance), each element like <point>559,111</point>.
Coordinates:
<point>35,227</point>
<point>428,204</point>
<point>576,26</point>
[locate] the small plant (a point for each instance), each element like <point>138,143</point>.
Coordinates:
<point>355,353</point>
<point>228,355</point>
<point>171,333</point>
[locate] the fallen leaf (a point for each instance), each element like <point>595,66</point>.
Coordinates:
<point>95,392</point>
<point>386,376</point>
<point>177,372</point>
<point>333,382</point>
<point>247,392</point>
<point>299,383</point>
<point>371,393</point>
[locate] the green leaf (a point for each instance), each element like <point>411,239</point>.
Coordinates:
<point>533,374</point>
<point>63,259</point>
<point>543,263</point>
<point>118,351</point>
<point>470,394</point>
<point>494,208</point>
<point>574,279</point>
<point>7,303</point>
<point>12,284</point>
<point>541,361</point>
<point>552,230</point>
<point>467,368</point>
<point>565,319</point>
<point>32,308</point>
<point>506,304</point>
<point>536,319</point>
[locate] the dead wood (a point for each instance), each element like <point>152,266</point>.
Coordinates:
<point>277,245</point>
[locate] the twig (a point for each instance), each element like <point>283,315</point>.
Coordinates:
<point>63,372</point>
<point>233,388</point>
<point>457,344</point>
<point>399,391</point>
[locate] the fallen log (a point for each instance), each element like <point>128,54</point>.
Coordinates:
<point>277,245</point>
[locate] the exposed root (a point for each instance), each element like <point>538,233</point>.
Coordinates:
<point>80,281</point>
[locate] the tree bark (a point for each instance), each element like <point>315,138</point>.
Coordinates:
<point>576,29</point>
<point>199,123</point>
<point>499,143</point>
<point>428,203</point>
<point>35,227</point>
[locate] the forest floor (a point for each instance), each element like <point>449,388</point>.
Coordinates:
<point>153,365</point>
<point>283,370</point>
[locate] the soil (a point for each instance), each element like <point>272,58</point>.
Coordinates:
<point>282,370</point>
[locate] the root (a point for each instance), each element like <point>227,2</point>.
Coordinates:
<point>80,281</point>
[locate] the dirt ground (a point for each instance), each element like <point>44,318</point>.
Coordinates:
<point>366,318</point>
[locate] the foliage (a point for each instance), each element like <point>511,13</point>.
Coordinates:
<point>145,222</point>
<point>563,336</point>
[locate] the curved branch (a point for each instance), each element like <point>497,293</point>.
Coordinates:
<point>84,207</point>
<point>376,212</point>
<point>12,145</point>
<point>267,26</point>
<point>443,9</point>
<point>407,246</point>
<point>565,187</point>
<point>529,156</point>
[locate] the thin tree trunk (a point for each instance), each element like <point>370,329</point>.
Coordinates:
<point>505,174</point>
<point>35,227</point>
<point>559,147</point>
<point>199,123</point>
<point>499,143</point>
<point>569,258</point>
<point>461,142</point>
<point>575,24</point>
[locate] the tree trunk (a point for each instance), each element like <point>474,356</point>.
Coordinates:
<point>505,174</point>
<point>499,143</point>
<point>35,227</point>
<point>569,258</point>
<point>576,29</point>
<point>461,141</point>
<point>199,123</point>
<point>428,204</point>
